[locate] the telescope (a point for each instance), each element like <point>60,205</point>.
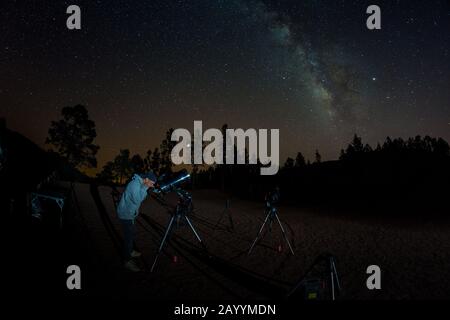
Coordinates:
<point>165,185</point>
<point>182,209</point>
<point>273,197</point>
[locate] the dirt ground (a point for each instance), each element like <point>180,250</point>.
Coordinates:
<point>414,256</point>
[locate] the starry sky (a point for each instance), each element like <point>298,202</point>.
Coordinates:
<point>310,68</point>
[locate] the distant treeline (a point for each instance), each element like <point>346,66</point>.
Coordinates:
<point>411,173</point>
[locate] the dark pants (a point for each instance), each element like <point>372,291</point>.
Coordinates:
<point>129,230</point>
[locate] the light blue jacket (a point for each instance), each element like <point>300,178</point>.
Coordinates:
<point>135,192</point>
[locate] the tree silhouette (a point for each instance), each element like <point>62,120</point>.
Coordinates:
<point>108,173</point>
<point>441,147</point>
<point>300,160</point>
<point>355,149</point>
<point>137,164</point>
<point>378,148</point>
<point>289,163</point>
<point>318,157</point>
<point>148,161</point>
<point>73,137</point>
<point>156,162</point>
<point>122,165</point>
<point>166,148</point>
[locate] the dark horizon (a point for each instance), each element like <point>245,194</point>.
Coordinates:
<point>94,171</point>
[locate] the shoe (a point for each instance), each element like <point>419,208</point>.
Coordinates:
<point>135,254</point>
<point>132,266</point>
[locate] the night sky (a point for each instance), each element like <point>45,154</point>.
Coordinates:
<point>310,68</point>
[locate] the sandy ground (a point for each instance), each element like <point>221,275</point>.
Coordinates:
<point>414,257</point>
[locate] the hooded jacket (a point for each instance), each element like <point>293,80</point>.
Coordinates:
<point>135,192</point>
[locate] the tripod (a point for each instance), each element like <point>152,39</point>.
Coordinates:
<point>271,215</point>
<point>333,277</point>
<point>330,268</point>
<point>226,211</point>
<point>181,210</point>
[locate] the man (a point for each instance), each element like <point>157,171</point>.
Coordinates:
<point>128,210</point>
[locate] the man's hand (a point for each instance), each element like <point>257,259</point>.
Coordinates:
<point>148,183</point>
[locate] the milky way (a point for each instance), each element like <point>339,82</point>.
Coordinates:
<point>310,68</point>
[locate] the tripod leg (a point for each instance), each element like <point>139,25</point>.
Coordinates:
<point>226,210</point>
<point>220,219</point>
<point>332,285</point>
<point>74,197</point>
<point>231,220</point>
<point>284,234</point>
<point>193,229</point>
<point>168,229</point>
<point>196,234</point>
<point>259,233</point>
<point>295,288</point>
<point>333,264</point>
